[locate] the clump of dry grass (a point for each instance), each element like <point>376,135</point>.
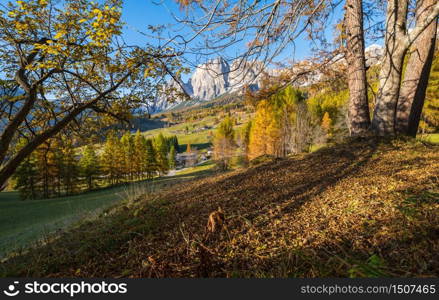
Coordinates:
<point>367,208</point>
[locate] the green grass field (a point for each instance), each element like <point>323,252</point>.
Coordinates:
<point>199,139</point>
<point>25,222</point>
<point>22,222</point>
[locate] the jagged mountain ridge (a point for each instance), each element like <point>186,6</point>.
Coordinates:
<point>210,80</point>
<point>217,77</point>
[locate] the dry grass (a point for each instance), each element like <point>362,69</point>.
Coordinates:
<point>367,208</point>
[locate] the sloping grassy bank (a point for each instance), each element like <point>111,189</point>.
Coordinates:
<point>23,223</point>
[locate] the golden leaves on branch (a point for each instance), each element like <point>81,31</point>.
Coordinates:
<point>77,29</point>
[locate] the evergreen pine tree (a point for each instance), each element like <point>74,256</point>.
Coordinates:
<point>151,167</point>
<point>128,154</point>
<point>172,157</point>
<point>258,139</point>
<point>25,176</point>
<point>43,160</point>
<point>56,152</point>
<point>70,168</point>
<point>108,158</point>
<point>120,160</point>
<point>162,154</point>
<point>243,141</point>
<point>326,123</point>
<point>274,129</point>
<point>173,141</point>
<point>140,154</point>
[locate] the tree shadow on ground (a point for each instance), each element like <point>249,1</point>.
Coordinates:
<point>283,185</point>
<point>267,233</point>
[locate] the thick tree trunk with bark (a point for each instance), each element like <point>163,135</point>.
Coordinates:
<point>414,85</point>
<point>396,44</point>
<point>358,110</point>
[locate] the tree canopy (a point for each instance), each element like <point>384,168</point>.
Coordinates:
<point>65,65</point>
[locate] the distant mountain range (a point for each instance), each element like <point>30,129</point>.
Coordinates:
<point>217,77</point>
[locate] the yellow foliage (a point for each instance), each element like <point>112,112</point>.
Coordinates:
<point>326,122</point>
<point>265,133</point>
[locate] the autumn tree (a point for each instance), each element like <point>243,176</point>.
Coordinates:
<point>303,130</point>
<point>161,146</point>
<point>128,153</point>
<point>139,154</point>
<point>89,165</point>
<point>399,100</point>
<point>172,157</point>
<point>414,85</point>
<point>70,67</point>
<point>69,168</point>
<point>277,124</point>
<point>268,27</point>
<point>26,176</point>
<point>108,160</point>
<point>151,165</point>
<point>224,143</point>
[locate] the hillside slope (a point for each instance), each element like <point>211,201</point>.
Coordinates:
<point>363,209</point>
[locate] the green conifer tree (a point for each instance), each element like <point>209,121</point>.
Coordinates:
<point>172,157</point>
<point>108,158</point>
<point>140,154</point>
<point>151,166</point>
<point>26,175</point>
<point>127,143</point>
<point>70,167</point>
<point>162,153</point>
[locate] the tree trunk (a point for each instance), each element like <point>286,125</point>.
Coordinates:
<point>358,110</point>
<point>396,45</point>
<point>414,85</point>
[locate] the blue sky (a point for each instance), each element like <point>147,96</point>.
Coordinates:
<point>138,14</point>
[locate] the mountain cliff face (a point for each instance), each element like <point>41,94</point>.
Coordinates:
<point>162,102</point>
<point>211,80</point>
<point>217,77</point>
<point>373,54</point>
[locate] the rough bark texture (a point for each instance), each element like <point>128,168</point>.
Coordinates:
<point>414,85</point>
<point>396,45</point>
<point>358,111</point>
